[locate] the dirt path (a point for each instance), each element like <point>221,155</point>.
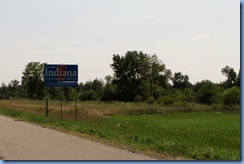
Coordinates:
<point>24,141</point>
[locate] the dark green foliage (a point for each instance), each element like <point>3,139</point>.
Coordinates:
<point>206,92</point>
<point>87,95</point>
<point>138,74</point>
<point>53,92</point>
<point>20,92</point>
<point>128,74</point>
<point>232,79</point>
<point>177,96</point>
<point>4,93</point>
<point>95,85</point>
<point>32,80</point>
<point>68,93</point>
<point>109,93</point>
<point>167,100</point>
<point>92,90</point>
<point>12,86</point>
<point>231,96</point>
<point>180,81</point>
<point>188,95</point>
<point>238,81</point>
<point>154,70</point>
<point>163,80</point>
<point>150,100</point>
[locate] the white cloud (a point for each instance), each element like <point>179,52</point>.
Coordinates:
<point>202,38</point>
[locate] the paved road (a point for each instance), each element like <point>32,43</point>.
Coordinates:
<point>24,141</point>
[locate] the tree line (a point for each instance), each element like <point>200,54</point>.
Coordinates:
<point>137,77</point>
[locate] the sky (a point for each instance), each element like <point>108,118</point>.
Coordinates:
<point>195,37</point>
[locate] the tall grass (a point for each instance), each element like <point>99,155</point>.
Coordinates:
<point>88,110</point>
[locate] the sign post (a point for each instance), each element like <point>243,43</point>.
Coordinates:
<point>75,105</point>
<point>60,76</point>
<point>46,111</point>
<point>46,106</point>
<point>61,104</point>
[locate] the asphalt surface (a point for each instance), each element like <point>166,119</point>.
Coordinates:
<point>24,141</point>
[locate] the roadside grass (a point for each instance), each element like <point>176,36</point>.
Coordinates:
<point>191,134</point>
<point>89,110</point>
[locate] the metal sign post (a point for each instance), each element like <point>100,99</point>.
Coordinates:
<point>47,106</point>
<point>46,111</point>
<point>75,105</point>
<point>61,104</point>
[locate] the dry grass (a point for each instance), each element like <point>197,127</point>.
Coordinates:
<point>85,110</point>
<point>90,110</point>
<point>93,110</point>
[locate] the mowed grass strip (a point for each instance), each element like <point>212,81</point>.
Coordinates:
<point>195,135</point>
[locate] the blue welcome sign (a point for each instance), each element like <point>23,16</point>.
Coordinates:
<point>60,75</point>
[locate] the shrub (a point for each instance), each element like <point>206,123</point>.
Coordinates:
<point>231,96</point>
<point>150,100</point>
<point>109,93</point>
<point>87,95</point>
<point>206,93</point>
<point>166,100</point>
<point>138,98</point>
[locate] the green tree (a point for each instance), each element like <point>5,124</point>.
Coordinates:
<point>138,75</point>
<point>20,92</point>
<point>32,80</point>
<point>12,86</point>
<point>231,77</point>
<point>109,90</point>
<point>238,81</point>
<point>180,81</point>
<point>155,69</point>
<point>206,92</point>
<point>108,79</point>
<point>4,92</point>
<point>91,90</point>
<point>128,74</point>
<point>163,79</point>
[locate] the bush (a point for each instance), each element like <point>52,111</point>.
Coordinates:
<point>166,100</point>
<point>206,93</point>
<point>138,98</point>
<point>87,95</point>
<point>109,93</point>
<point>150,100</point>
<point>231,96</point>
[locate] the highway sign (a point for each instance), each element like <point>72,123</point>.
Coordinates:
<point>60,75</point>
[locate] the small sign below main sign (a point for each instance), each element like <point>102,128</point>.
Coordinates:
<point>61,83</point>
<point>60,75</point>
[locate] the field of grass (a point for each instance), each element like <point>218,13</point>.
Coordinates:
<point>158,131</point>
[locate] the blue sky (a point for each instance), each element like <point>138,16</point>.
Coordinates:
<point>195,37</point>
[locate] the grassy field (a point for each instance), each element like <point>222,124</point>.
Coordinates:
<point>191,133</point>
